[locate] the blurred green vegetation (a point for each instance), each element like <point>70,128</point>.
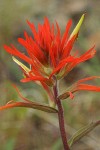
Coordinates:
<point>28,129</point>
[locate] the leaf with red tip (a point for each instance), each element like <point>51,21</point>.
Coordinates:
<point>78,86</point>
<point>29,105</point>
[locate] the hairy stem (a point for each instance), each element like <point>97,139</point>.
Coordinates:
<point>60,117</point>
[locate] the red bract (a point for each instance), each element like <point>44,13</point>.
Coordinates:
<point>49,53</point>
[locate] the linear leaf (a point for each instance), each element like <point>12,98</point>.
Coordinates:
<point>82,132</point>
<point>29,105</point>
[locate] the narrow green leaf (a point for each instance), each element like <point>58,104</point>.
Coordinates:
<point>82,132</point>
<point>29,105</point>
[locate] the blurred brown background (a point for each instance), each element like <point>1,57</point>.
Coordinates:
<point>26,129</point>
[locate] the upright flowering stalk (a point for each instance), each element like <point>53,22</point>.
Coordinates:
<point>49,59</point>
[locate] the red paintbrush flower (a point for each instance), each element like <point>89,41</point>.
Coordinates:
<point>49,53</point>
<point>50,59</point>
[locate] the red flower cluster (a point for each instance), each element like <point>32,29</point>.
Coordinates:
<point>49,53</point>
<point>50,57</point>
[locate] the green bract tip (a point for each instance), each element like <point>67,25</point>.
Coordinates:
<point>76,30</point>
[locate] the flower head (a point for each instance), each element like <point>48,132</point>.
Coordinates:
<point>49,58</point>
<point>49,53</point>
